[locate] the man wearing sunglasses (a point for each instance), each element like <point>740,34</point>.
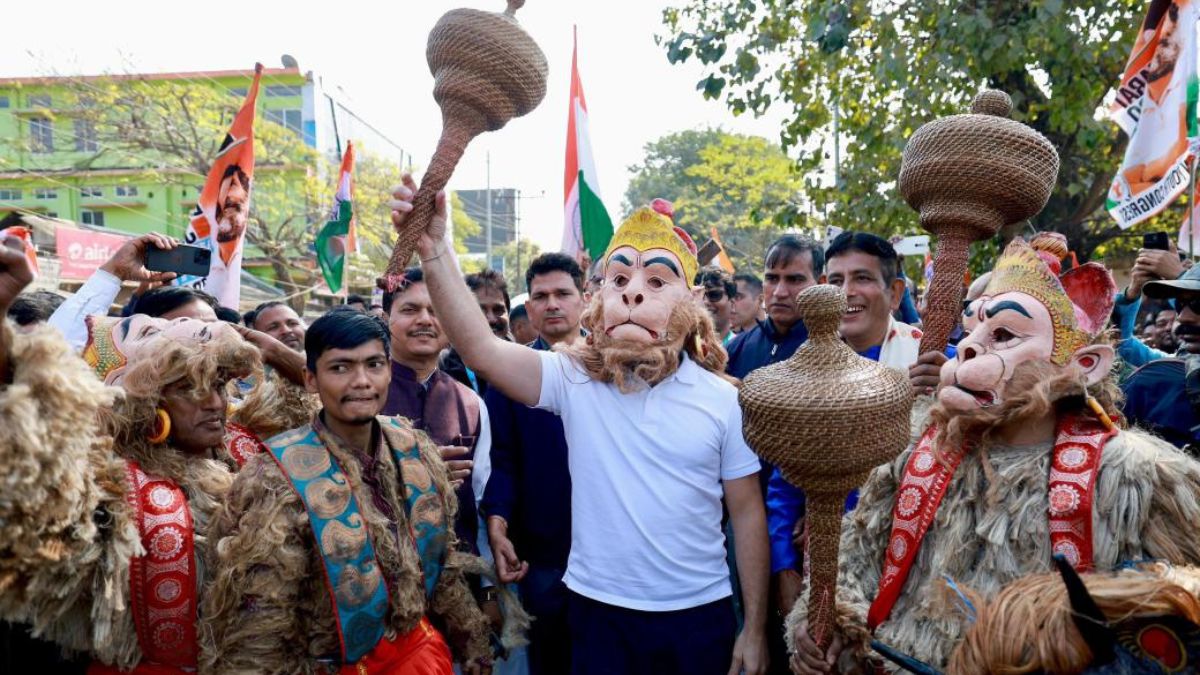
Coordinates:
<point>719,290</point>
<point>1164,395</point>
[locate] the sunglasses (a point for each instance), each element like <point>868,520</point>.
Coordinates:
<point>714,296</point>
<point>1191,302</point>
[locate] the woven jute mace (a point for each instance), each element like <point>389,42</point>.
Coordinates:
<point>968,176</point>
<point>486,70</point>
<point>825,417</point>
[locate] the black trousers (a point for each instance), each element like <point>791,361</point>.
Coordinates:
<point>544,595</point>
<point>608,640</point>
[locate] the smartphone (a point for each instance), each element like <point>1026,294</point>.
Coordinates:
<point>183,259</point>
<point>1157,241</point>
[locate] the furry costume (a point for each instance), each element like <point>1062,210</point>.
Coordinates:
<point>68,531</point>
<point>991,529</point>
<point>1033,626</point>
<point>268,609</point>
<point>993,524</point>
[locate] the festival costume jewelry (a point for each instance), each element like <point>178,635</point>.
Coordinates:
<point>968,176</point>
<point>651,227</point>
<point>162,427</point>
<point>487,70</point>
<point>1079,302</point>
<point>825,417</point>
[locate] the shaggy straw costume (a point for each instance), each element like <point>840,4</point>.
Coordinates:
<point>268,609</point>
<point>68,531</point>
<point>993,524</point>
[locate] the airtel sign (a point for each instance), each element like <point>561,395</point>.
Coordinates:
<point>80,252</point>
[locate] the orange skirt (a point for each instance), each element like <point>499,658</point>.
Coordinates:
<point>422,651</point>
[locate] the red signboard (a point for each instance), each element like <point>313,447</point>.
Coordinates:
<point>80,252</point>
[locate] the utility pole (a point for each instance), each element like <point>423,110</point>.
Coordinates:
<point>488,222</point>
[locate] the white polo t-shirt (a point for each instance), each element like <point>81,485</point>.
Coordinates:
<point>646,472</point>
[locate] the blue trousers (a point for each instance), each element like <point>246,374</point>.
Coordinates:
<point>608,640</point>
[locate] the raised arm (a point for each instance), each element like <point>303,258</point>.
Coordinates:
<point>515,369</point>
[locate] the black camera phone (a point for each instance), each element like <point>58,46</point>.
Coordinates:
<point>183,259</point>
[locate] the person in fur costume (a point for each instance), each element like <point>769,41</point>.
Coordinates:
<point>655,448</point>
<point>300,585</point>
<point>1021,461</point>
<point>109,491</point>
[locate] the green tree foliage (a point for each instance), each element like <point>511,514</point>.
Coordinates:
<point>889,66</point>
<point>745,186</point>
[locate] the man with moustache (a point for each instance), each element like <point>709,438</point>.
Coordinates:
<point>527,502</point>
<point>280,321</point>
<point>233,204</point>
<point>451,414</point>
<point>336,550</point>
<point>1164,394</point>
<point>491,292</point>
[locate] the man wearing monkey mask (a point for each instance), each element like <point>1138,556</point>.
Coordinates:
<point>654,436</point>
<point>1022,460</point>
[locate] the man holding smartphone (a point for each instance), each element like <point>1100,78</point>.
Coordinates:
<point>1157,260</point>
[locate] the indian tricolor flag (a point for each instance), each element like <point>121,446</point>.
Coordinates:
<point>587,227</point>
<point>337,237</point>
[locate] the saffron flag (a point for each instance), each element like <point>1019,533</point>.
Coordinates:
<point>26,237</point>
<point>587,227</point>
<point>1155,105</point>
<point>336,238</point>
<point>223,209</point>
<point>722,257</point>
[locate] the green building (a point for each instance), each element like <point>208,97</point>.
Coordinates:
<point>52,163</point>
<point>55,163</point>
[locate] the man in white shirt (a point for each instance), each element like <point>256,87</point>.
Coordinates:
<point>654,436</point>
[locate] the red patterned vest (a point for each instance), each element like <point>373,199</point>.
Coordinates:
<point>1072,480</point>
<point>163,582</point>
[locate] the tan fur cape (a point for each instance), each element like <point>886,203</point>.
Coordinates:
<point>267,608</point>
<point>992,528</point>
<point>66,532</point>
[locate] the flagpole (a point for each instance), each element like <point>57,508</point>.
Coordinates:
<point>1192,208</point>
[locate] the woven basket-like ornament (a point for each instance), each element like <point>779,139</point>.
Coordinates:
<point>825,417</point>
<point>487,70</point>
<point>968,176</point>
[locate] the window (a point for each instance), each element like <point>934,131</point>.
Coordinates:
<point>85,136</point>
<point>10,194</point>
<point>90,192</point>
<point>239,92</point>
<point>287,118</point>
<point>94,218</point>
<point>280,90</point>
<point>39,100</point>
<point>41,134</point>
<point>52,214</point>
<point>127,191</point>
<point>45,193</point>
<point>4,102</point>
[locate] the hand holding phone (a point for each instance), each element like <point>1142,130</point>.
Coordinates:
<point>181,259</point>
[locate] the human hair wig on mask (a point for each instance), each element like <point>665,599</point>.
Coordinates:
<point>342,328</point>
<point>1036,389</point>
<point>632,365</point>
<point>1031,626</point>
<point>222,356</point>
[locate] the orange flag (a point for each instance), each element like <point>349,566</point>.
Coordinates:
<point>722,257</point>
<point>26,238</point>
<point>221,214</point>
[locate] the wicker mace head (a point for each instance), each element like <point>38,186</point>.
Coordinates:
<point>486,62</point>
<point>486,71</point>
<point>977,172</point>
<point>826,416</point>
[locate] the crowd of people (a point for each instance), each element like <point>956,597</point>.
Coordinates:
<point>443,480</point>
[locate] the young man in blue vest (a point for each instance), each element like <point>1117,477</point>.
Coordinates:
<point>337,548</point>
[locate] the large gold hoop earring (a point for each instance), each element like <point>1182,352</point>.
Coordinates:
<point>162,427</point>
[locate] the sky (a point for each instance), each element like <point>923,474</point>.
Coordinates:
<point>376,53</point>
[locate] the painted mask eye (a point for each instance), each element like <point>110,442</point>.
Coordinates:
<point>656,283</point>
<point>1001,335</point>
